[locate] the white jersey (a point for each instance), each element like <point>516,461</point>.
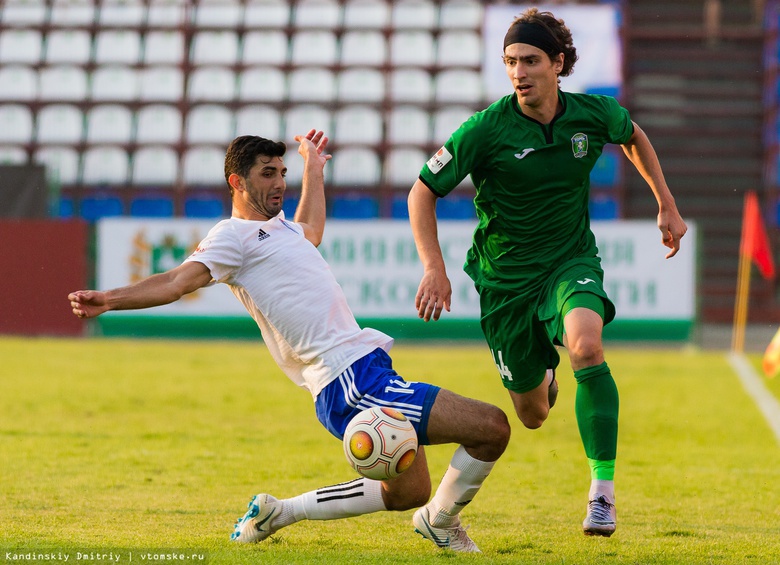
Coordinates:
<point>290,291</point>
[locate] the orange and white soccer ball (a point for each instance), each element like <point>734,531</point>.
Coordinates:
<point>380,443</point>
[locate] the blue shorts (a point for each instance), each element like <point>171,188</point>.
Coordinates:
<point>368,382</point>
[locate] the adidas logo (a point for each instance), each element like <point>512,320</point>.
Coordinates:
<point>261,235</point>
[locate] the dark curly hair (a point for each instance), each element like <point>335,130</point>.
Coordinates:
<point>241,154</point>
<point>559,32</point>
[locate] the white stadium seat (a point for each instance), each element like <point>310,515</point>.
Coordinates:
<point>413,48</point>
<point>166,13</point>
<point>163,47</point>
<point>356,166</point>
<point>359,125</point>
<point>361,85</point>
<point>23,13</point>
<point>18,83</point>
<point>68,46</point>
<point>161,84</point>
<point>403,165</point>
<point>324,14</point>
<point>117,46</point>
<point>214,48</point>
<point>105,165</point>
<point>209,123</point>
<point>12,155</point>
<point>204,166</point>
<point>62,83</point>
<point>272,14</point>
<point>214,84</point>
<point>410,85</point>
<point>458,86</point>
<point>460,14</point>
<point>263,84</point>
<point>21,46</point>
<point>363,48</point>
<point>314,47</point>
<point>59,123</point>
<point>16,124</point>
<point>114,83</point>
<point>62,163</point>
<point>72,13</point>
<point>370,14</point>
<point>218,13</point>
<point>266,47</point>
<point>264,121</point>
<point>311,84</point>
<point>448,119</point>
<point>158,123</point>
<point>459,49</point>
<point>414,14</point>
<point>109,123</point>
<point>122,13</point>
<point>298,120</point>
<point>155,165</point>
<point>408,125</point>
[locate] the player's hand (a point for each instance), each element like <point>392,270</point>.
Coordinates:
<point>313,143</point>
<point>433,295</point>
<point>88,303</point>
<point>672,229</point>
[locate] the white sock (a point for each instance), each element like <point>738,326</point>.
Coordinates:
<point>602,488</point>
<point>460,484</point>
<point>361,496</point>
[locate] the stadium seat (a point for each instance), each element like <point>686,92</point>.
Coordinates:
<point>606,170</point>
<point>212,84</point>
<point>458,85</point>
<point>23,13</point>
<point>264,121</point>
<point>460,14</point>
<point>358,124</point>
<point>59,123</point>
<point>151,207</point>
<point>18,83</point>
<point>20,46</point>
<point>267,84</point>
<point>408,125</point>
<point>109,123</point>
<point>455,207</point>
<point>459,49</point>
<point>314,48</point>
<point>214,48</point>
<point>300,119</point>
<point>93,208</point>
<point>12,155</point>
<point>117,46</point>
<point>448,119</point>
<point>403,166</point>
<point>105,165</point>
<point>209,123</point>
<point>68,46</point>
<point>16,124</point>
<point>62,83</point>
<point>155,165</point>
<point>163,48</point>
<point>356,166</point>
<point>114,83</point>
<point>324,14</point>
<point>369,14</point>
<point>363,48</point>
<point>204,166</point>
<point>412,48</point>
<point>158,123</point>
<point>127,13</point>
<point>354,207</point>
<point>265,47</point>
<point>361,85</point>
<point>166,14</point>
<point>65,208</point>
<point>70,13</point>
<point>414,14</point>
<point>274,14</point>
<point>161,84</point>
<point>289,205</point>
<point>399,208</point>
<point>62,163</point>
<point>410,85</point>
<point>221,13</point>
<point>603,208</point>
<point>311,84</point>
<point>604,90</point>
<point>204,207</point>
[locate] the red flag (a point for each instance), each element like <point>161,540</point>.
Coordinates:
<point>755,242</point>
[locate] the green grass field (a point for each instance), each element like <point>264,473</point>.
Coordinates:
<point>118,445</point>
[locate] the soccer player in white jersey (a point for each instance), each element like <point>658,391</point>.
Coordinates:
<point>273,267</point>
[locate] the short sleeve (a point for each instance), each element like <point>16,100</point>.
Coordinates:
<point>220,251</point>
<point>620,128</point>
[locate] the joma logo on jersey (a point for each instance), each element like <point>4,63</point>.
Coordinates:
<point>437,162</point>
<point>579,145</point>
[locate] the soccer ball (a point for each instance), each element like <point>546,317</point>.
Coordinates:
<point>380,443</point>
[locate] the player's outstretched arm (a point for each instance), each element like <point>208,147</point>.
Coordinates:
<point>435,291</point>
<point>640,152</point>
<point>156,290</point>
<point>311,208</point>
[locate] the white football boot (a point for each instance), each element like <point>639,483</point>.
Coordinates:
<point>257,523</point>
<point>454,537</point>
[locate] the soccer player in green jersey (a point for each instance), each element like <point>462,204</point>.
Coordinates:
<point>534,259</point>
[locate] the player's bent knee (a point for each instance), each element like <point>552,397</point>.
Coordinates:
<point>498,433</point>
<point>407,499</point>
<point>533,417</point>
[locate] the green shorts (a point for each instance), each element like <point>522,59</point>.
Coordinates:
<point>522,330</point>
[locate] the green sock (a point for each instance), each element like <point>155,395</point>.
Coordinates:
<point>596,406</point>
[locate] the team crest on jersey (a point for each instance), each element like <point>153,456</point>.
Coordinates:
<point>437,162</point>
<point>579,145</point>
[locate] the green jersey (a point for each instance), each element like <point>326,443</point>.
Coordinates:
<point>533,184</point>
